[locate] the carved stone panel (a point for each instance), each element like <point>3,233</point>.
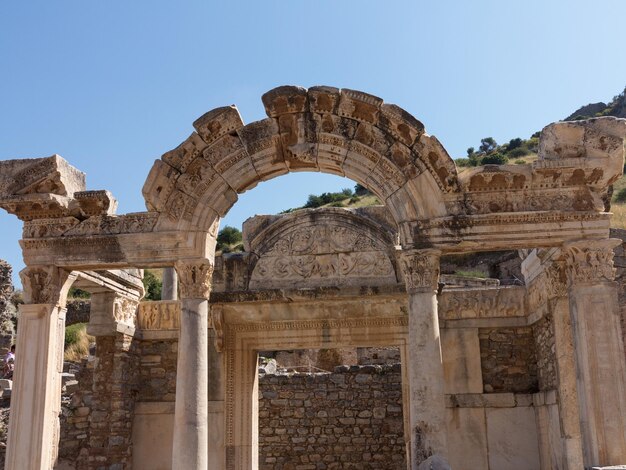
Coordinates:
<point>327,254</point>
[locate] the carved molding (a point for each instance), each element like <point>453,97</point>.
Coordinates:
<point>195,279</point>
<point>44,284</point>
<point>482,303</point>
<point>420,269</point>
<point>590,261</point>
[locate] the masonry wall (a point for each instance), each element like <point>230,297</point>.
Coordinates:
<point>348,419</point>
<point>508,360</point>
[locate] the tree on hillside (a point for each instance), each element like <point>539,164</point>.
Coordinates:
<point>228,236</point>
<point>470,151</point>
<point>487,145</point>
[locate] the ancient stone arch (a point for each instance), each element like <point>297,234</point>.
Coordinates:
<point>554,207</point>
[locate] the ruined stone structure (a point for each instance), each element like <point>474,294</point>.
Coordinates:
<point>498,378</point>
<point>6,309</point>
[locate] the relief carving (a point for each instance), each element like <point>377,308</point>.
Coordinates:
<point>163,315</point>
<point>44,284</point>
<point>216,322</point>
<point>590,261</point>
<point>195,279</point>
<point>482,303</point>
<point>125,310</point>
<point>420,269</point>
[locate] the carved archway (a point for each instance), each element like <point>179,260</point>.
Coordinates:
<point>342,132</point>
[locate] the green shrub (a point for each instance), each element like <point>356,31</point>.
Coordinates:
<point>336,204</point>
<point>153,285</point>
<point>76,293</point>
<point>520,162</point>
<point>494,159</point>
<point>462,273</point>
<point>462,162</point>
<point>518,152</point>
<point>73,333</point>
<point>228,236</point>
<point>621,195</point>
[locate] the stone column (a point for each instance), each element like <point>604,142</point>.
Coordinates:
<point>36,400</point>
<point>190,414</point>
<point>169,290</point>
<point>427,411</point>
<point>599,350</point>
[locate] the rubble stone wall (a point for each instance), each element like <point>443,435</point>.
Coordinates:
<point>6,308</point>
<point>77,311</point>
<point>351,418</point>
<point>157,370</point>
<point>508,360</point>
<point>543,331</point>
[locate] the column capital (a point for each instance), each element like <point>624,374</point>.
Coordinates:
<point>195,278</point>
<point>549,284</point>
<point>420,269</point>
<point>590,261</point>
<point>46,284</point>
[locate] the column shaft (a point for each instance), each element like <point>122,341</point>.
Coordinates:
<point>599,350</point>
<point>190,414</point>
<point>427,412</point>
<point>36,400</point>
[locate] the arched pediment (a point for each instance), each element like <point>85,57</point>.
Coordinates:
<point>323,247</point>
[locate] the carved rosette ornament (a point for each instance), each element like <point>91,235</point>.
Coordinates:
<point>590,261</point>
<point>195,279</point>
<point>44,284</point>
<point>420,269</point>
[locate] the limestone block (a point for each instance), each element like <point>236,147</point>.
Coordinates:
<point>6,384</point>
<point>51,175</point>
<point>509,450</point>
<point>262,142</point>
<point>467,438</point>
<point>153,429</point>
<point>285,100</point>
<point>217,123</point>
<point>460,349</point>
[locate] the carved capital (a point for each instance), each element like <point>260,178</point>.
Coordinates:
<point>216,322</point>
<point>45,284</point>
<point>420,269</point>
<point>548,284</point>
<point>195,279</point>
<point>590,261</point>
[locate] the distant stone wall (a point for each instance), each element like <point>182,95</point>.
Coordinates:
<point>351,418</point>
<point>508,360</point>
<point>75,420</point>
<point>6,308</point>
<point>77,311</point>
<point>543,332</point>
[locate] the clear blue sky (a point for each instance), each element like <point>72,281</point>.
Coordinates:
<point>110,86</point>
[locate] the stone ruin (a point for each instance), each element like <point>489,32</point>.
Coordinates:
<point>491,377</point>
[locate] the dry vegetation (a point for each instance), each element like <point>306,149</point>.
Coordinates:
<point>77,342</point>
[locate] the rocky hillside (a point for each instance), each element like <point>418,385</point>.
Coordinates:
<point>616,107</point>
